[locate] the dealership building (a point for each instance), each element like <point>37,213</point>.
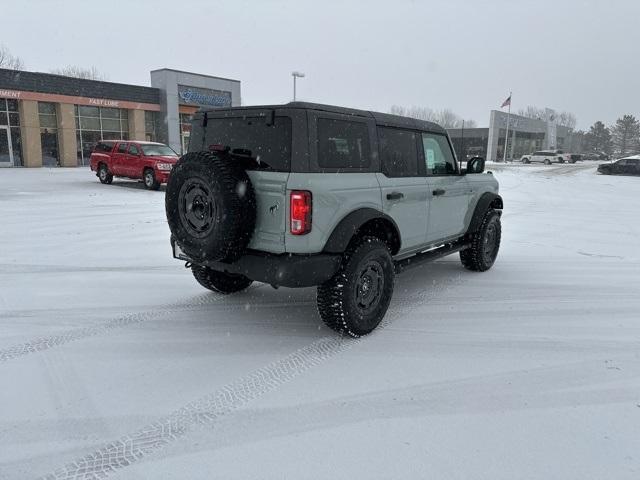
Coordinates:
<point>526,135</point>
<point>54,120</point>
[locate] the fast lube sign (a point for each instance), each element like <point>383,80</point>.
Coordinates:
<point>203,97</point>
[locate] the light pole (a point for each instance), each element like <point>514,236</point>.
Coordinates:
<point>296,75</point>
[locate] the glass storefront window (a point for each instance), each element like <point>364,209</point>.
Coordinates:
<point>97,123</point>
<point>185,131</point>
<point>150,126</point>
<point>9,116</point>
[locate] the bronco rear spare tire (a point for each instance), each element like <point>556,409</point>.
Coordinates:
<point>211,206</point>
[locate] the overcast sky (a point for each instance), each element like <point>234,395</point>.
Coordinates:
<point>580,56</point>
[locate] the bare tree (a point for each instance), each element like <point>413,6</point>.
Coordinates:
<point>7,60</point>
<point>445,118</point>
<point>567,119</point>
<point>91,73</point>
<point>532,112</point>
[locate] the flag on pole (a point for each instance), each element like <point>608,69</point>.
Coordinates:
<point>506,102</point>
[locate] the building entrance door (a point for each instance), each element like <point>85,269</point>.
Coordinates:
<point>6,152</point>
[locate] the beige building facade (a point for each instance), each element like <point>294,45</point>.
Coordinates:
<point>55,121</point>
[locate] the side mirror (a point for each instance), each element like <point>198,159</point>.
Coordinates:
<point>475,165</point>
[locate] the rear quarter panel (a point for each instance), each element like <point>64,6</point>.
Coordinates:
<point>334,195</point>
<point>97,158</point>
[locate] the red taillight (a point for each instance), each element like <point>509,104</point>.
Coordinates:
<point>300,212</point>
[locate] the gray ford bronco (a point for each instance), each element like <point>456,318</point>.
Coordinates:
<point>302,195</point>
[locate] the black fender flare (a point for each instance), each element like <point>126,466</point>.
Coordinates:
<point>350,224</point>
<point>486,201</point>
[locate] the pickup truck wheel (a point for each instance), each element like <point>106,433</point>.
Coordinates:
<point>103,174</point>
<point>485,243</point>
<point>220,282</point>
<point>149,179</point>
<point>356,299</point>
<point>211,207</point>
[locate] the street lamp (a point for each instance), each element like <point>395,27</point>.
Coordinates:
<point>296,75</point>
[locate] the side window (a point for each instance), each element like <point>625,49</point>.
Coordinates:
<point>122,148</point>
<point>438,155</point>
<point>343,144</point>
<point>104,147</point>
<point>133,150</point>
<point>398,152</point>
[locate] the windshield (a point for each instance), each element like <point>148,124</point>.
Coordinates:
<point>158,150</point>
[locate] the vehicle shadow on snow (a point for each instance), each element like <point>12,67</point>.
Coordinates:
<point>289,311</point>
<point>133,185</point>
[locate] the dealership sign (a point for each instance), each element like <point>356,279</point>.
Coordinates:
<point>204,97</point>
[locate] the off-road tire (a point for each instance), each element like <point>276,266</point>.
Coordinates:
<point>210,206</point>
<point>343,301</point>
<point>220,282</point>
<point>104,175</point>
<point>485,243</point>
<point>149,180</point>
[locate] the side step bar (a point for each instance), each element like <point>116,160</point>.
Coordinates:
<point>430,256</point>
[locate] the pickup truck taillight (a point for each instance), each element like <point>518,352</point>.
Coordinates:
<point>300,212</point>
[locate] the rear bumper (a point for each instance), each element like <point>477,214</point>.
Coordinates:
<point>284,270</point>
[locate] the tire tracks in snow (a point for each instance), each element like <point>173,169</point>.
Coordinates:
<point>45,343</point>
<point>206,410</point>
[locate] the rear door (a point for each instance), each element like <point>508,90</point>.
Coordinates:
<point>403,184</point>
<point>449,191</point>
<point>133,161</point>
<point>119,160</point>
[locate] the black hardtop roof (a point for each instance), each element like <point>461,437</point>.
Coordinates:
<point>385,119</point>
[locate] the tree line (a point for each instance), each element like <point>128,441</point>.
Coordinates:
<point>13,62</point>
<point>445,117</point>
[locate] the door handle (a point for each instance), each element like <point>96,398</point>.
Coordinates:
<point>438,191</point>
<point>395,195</point>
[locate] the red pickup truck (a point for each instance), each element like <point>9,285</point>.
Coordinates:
<point>147,161</point>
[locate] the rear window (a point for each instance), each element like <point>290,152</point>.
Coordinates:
<point>343,144</point>
<point>269,145</point>
<point>103,147</point>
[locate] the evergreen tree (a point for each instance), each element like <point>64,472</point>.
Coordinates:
<point>598,139</point>
<point>626,135</point>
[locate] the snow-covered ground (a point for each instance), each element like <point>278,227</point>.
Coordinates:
<point>114,361</point>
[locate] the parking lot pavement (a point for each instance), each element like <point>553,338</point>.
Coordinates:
<point>115,363</point>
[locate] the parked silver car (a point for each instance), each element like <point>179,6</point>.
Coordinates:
<point>544,156</point>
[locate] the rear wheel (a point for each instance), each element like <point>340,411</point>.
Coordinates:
<point>356,299</point>
<point>149,179</point>
<point>485,243</point>
<point>547,161</point>
<point>220,282</point>
<point>104,175</point>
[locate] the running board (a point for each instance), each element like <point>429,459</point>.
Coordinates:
<point>429,256</point>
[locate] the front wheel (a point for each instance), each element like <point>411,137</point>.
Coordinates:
<point>150,181</point>
<point>356,299</point>
<point>485,243</point>
<point>220,282</point>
